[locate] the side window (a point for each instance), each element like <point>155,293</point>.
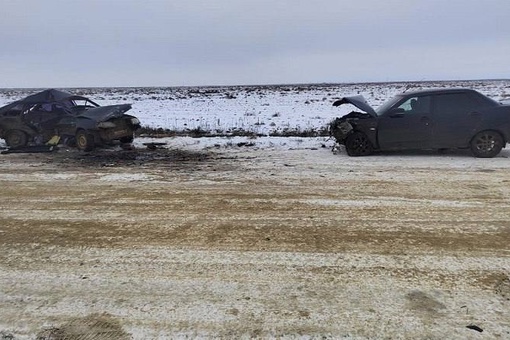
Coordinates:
<point>15,111</point>
<point>415,105</point>
<point>455,103</point>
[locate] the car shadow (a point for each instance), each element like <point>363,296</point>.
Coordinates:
<point>461,153</point>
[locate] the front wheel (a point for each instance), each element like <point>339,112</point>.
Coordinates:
<point>127,139</point>
<point>16,138</point>
<point>358,144</point>
<point>487,144</point>
<point>84,141</point>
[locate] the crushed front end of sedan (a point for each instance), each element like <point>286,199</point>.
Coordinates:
<point>343,127</point>
<point>77,120</point>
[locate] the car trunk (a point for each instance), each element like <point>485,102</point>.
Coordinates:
<point>104,113</point>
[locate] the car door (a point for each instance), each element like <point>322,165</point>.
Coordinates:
<point>406,125</point>
<point>43,116</point>
<point>456,119</point>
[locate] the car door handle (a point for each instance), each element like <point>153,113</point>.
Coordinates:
<point>425,120</point>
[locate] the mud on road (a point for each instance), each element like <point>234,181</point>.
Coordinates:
<point>253,242</point>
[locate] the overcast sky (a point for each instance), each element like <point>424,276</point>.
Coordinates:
<point>74,43</point>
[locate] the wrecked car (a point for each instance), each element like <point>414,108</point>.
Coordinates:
<point>426,119</point>
<point>75,119</point>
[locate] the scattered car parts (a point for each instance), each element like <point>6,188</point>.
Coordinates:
<point>30,149</point>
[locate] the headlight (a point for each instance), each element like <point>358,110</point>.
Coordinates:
<point>106,125</point>
<point>135,121</point>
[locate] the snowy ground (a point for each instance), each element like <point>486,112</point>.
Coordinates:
<point>253,237</point>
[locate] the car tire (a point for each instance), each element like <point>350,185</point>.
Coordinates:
<point>358,144</point>
<point>84,141</point>
<point>16,138</point>
<point>127,140</point>
<point>487,144</point>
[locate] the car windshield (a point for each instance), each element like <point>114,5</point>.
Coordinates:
<point>387,105</point>
<point>83,103</point>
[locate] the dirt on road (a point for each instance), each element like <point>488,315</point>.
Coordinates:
<point>236,242</point>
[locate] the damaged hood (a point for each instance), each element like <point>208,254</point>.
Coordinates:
<point>359,101</point>
<point>104,113</point>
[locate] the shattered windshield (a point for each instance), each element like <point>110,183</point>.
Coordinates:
<point>83,103</point>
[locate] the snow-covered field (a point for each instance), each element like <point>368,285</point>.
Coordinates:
<point>258,109</point>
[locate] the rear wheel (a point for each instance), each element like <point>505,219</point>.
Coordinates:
<point>16,138</point>
<point>84,141</point>
<point>486,144</point>
<point>358,144</point>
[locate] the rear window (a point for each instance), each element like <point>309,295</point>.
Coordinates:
<point>455,103</point>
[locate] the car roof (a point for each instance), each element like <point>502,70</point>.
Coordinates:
<point>46,96</point>
<point>437,91</point>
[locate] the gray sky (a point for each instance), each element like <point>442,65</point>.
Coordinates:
<point>72,43</point>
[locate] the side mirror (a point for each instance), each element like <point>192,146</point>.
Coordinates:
<point>396,112</point>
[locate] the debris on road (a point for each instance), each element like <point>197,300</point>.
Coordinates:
<point>154,145</point>
<point>475,328</point>
<point>30,149</point>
